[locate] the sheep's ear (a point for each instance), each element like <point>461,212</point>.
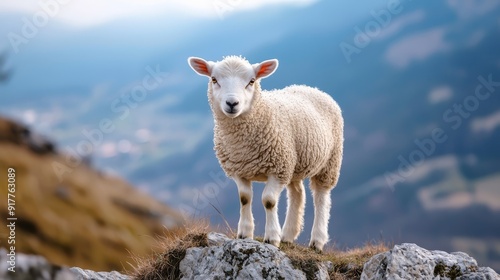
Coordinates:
<point>265,68</point>
<point>200,66</point>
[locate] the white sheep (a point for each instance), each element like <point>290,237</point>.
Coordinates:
<point>280,136</point>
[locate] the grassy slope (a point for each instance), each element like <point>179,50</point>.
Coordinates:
<point>87,219</point>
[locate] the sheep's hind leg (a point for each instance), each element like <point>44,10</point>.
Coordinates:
<point>270,197</point>
<point>294,221</point>
<point>322,205</point>
<point>246,224</point>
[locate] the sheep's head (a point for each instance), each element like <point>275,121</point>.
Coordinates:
<point>233,81</point>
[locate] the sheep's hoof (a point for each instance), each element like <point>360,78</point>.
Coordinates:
<point>241,236</point>
<point>275,243</point>
<point>315,247</point>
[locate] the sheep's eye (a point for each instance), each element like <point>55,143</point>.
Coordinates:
<point>252,81</point>
<point>214,80</point>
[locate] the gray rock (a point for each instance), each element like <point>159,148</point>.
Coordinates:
<point>323,269</point>
<point>85,274</point>
<point>226,258</point>
<point>31,267</point>
<point>409,261</point>
<point>217,239</point>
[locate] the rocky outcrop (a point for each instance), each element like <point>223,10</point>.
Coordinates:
<point>227,258</point>
<point>21,266</point>
<point>409,261</point>
<point>21,135</point>
<point>33,267</point>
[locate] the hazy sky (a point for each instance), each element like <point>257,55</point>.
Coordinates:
<point>94,12</point>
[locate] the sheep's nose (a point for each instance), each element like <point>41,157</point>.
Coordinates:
<point>232,103</point>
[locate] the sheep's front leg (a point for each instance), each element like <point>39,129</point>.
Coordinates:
<point>270,197</point>
<point>246,224</point>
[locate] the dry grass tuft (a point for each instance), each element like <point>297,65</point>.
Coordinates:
<point>165,265</point>
<point>349,264</point>
<point>346,264</point>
